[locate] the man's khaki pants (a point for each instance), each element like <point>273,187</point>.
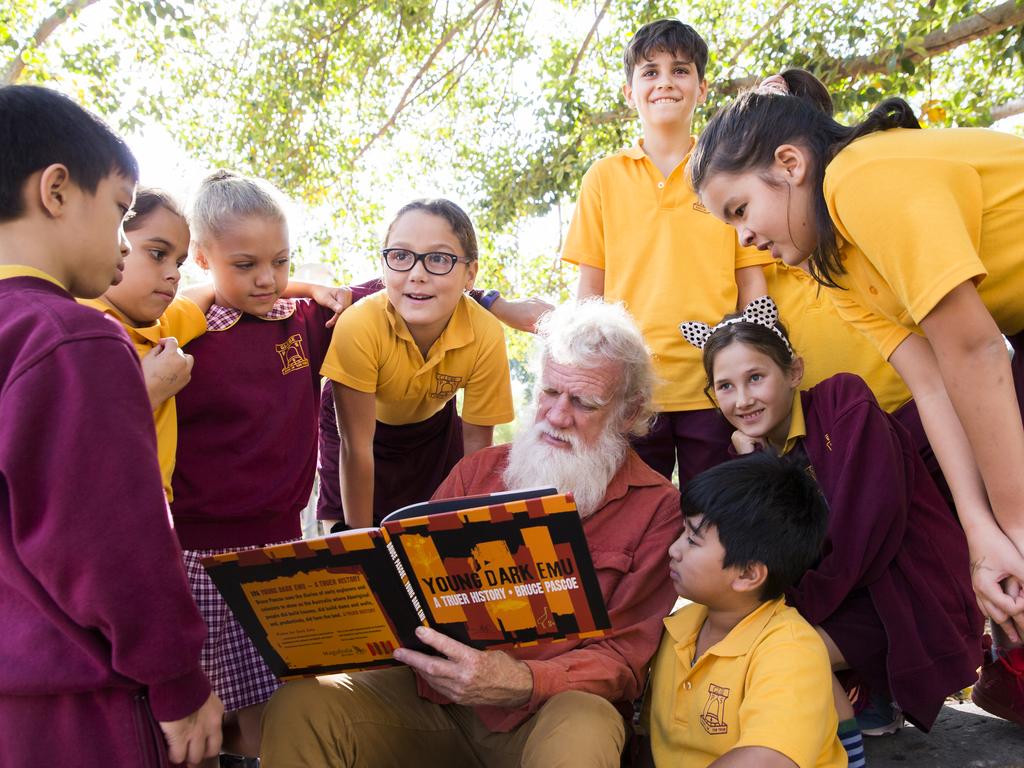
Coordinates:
<point>377,720</point>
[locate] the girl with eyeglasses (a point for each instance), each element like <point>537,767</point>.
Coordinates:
<point>398,359</point>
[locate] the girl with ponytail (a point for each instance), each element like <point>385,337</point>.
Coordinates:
<point>917,235</point>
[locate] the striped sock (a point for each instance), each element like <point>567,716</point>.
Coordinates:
<point>853,742</point>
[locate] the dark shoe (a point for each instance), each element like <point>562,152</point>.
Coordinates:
<point>227,760</point>
<point>1000,686</point>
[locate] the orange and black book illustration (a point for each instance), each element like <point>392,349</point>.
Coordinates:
<point>489,571</point>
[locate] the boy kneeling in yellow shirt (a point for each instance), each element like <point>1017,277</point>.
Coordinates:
<point>740,678</point>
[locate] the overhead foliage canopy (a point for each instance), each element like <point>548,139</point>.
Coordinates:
<point>505,102</point>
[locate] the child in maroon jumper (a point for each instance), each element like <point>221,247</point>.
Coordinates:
<point>892,596</point>
<point>247,421</point>
<point>91,668</point>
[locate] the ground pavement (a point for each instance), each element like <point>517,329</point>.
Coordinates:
<point>964,736</point>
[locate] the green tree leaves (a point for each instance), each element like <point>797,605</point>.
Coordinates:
<point>501,103</point>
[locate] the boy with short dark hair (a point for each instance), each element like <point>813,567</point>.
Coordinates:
<point>640,235</point>
<point>101,636</point>
<point>741,679</point>
<point>670,35</point>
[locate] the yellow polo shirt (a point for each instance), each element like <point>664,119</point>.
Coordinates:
<point>184,320</point>
<point>664,256</point>
<point>828,343</point>
<point>372,350</point>
<point>922,211</point>
<point>768,683</point>
<point>797,425</point>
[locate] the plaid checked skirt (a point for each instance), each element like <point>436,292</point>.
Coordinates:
<point>234,667</point>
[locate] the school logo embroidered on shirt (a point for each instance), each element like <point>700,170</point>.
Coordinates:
<point>699,207</point>
<point>714,710</point>
<point>291,354</point>
<point>445,386</point>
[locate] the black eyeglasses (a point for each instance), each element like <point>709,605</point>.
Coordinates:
<point>435,262</point>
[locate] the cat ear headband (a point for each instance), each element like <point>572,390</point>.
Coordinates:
<point>761,311</point>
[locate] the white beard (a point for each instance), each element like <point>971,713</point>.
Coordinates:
<point>584,471</point>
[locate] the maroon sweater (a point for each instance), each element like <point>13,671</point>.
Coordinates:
<point>93,596</point>
<point>891,533</point>
<point>247,428</point>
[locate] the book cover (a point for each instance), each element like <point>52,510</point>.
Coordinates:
<point>504,574</point>
<point>492,571</point>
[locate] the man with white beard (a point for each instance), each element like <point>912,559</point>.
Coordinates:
<point>553,704</point>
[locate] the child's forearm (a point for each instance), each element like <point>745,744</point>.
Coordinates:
<point>974,363</point>
<point>980,386</point>
<point>201,295</point>
<point>158,393</point>
<point>521,314</point>
<point>914,360</point>
<point>300,289</point>
<point>356,470</point>
<point>475,437</point>
<point>993,556</point>
<point>591,282</point>
<point>750,284</point>
<point>356,413</point>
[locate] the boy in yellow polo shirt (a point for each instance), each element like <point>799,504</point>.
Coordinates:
<point>640,236</point>
<point>739,672</point>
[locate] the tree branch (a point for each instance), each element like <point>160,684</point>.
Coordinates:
<point>474,52</point>
<point>1008,109</point>
<point>983,24</point>
<point>46,28</point>
<point>586,41</point>
<point>405,99</point>
<point>757,33</point>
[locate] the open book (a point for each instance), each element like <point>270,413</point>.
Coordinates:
<point>489,571</point>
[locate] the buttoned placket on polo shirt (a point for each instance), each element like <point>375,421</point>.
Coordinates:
<point>458,334</point>
<point>669,192</point>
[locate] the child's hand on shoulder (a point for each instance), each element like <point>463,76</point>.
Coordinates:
<point>331,297</point>
<point>335,298</point>
<point>744,444</point>
<point>166,370</point>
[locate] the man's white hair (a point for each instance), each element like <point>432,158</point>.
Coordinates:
<point>592,333</point>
